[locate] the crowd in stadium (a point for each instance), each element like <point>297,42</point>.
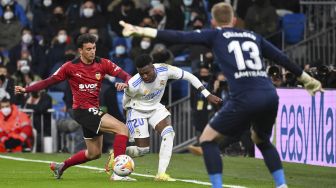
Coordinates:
<point>38,36</point>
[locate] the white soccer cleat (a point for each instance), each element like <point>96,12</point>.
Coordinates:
<point>283,186</point>
<point>115,177</point>
<point>163,177</point>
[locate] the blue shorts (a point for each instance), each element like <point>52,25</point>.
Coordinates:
<point>253,108</point>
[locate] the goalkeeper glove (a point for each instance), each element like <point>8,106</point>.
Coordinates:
<point>310,84</point>
<point>130,30</point>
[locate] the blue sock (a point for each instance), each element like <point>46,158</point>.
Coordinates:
<point>279,177</point>
<point>273,162</point>
<point>216,180</point>
<point>213,162</point>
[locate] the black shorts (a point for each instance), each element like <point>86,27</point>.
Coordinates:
<point>90,120</point>
<point>256,109</point>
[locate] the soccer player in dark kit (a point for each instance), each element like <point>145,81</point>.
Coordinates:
<point>253,101</point>
<point>85,75</point>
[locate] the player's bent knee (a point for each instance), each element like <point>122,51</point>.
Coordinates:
<point>168,131</point>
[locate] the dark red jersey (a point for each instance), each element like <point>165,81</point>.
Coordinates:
<point>85,80</point>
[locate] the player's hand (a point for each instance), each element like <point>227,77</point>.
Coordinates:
<point>214,99</point>
<point>121,86</point>
<point>130,29</point>
<point>19,90</point>
<point>311,84</point>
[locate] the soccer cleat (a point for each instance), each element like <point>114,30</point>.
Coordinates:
<point>115,177</point>
<point>57,169</point>
<point>109,163</point>
<point>163,177</point>
<point>196,150</point>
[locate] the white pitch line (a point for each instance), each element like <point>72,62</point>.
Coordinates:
<point>102,169</point>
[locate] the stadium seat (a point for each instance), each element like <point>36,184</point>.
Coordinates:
<point>294,27</point>
<point>58,104</point>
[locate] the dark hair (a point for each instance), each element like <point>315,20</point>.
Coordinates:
<point>5,100</point>
<point>143,60</point>
<point>85,38</point>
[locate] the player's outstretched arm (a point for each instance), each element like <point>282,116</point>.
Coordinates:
<point>42,84</point>
<point>131,30</point>
<point>311,84</point>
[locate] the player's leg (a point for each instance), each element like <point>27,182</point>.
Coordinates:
<point>137,123</point>
<point>110,124</point>
<point>211,155</point>
<point>260,134</point>
<point>93,143</point>
<point>229,120</point>
<point>167,133</point>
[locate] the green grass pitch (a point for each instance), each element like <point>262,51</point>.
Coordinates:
<point>238,171</point>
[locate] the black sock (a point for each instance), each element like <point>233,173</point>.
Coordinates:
<point>271,156</point>
<point>212,158</point>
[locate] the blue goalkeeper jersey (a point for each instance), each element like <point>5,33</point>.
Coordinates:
<point>239,54</point>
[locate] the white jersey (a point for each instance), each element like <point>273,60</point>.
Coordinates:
<point>147,96</point>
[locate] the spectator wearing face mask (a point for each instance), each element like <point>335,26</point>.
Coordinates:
<point>192,9</point>
<point>32,50</point>
<point>89,16</point>
<point>120,56</point>
<point>140,46</point>
<point>10,29</point>
<point>125,10</point>
<point>103,44</point>
<point>18,11</point>
<point>166,17</point>
<point>15,127</point>
<point>56,52</point>
<point>23,77</point>
<point>48,18</point>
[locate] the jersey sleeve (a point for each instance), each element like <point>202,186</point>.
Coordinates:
<point>129,93</point>
<point>61,73</point>
<point>173,72</point>
<point>111,68</point>
<point>58,76</point>
<point>271,52</point>
<point>204,36</point>
<point>114,70</point>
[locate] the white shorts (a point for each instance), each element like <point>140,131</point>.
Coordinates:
<point>137,121</point>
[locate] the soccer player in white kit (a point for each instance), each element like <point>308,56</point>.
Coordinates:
<point>142,102</point>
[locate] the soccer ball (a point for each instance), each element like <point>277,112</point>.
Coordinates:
<point>123,165</point>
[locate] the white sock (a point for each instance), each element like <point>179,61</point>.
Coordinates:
<point>167,141</point>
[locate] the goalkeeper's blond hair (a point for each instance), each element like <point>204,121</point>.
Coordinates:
<point>222,13</point>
